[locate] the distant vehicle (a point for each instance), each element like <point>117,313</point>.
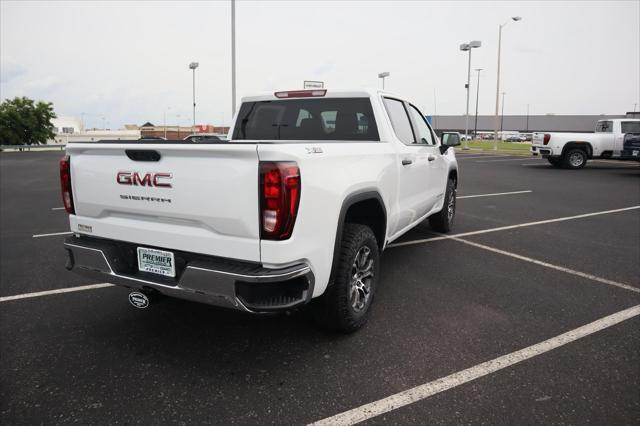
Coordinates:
<point>152,138</point>
<point>516,138</point>
<point>572,150</point>
<point>631,147</point>
<point>205,137</point>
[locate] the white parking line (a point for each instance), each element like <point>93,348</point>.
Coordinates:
<point>51,235</point>
<point>58,291</point>
<point>482,156</point>
<point>507,159</point>
<point>418,393</point>
<point>57,208</point>
<point>504,228</point>
<point>550,265</point>
<point>495,194</point>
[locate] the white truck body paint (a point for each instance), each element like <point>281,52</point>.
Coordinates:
<point>215,207</point>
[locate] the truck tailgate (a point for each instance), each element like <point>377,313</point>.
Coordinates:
<point>196,198</point>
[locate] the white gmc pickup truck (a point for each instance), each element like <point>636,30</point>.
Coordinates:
<point>295,208</point>
<point>571,150</point>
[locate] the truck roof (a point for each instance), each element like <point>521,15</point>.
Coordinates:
<point>330,93</point>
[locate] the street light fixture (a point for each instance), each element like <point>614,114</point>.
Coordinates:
<point>193,66</point>
<point>383,75</point>
<point>475,127</point>
<point>466,47</point>
<point>495,135</point>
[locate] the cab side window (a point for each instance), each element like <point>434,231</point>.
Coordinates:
<point>423,132</point>
<point>399,120</point>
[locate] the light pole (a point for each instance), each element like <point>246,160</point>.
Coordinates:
<point>495,135</point>
<point>383,75</point>
<point>165,121</point>
<point>475,127</point>
<point>233,58</point>
<point>193,66</point>
<point>467,47</point>
<point>502,115</point>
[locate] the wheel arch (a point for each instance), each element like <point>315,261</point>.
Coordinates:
<point>366,208</point>
<point>585,146</point>
<point>453,174</point>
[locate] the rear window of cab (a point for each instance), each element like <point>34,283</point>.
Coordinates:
<point>325,119</point>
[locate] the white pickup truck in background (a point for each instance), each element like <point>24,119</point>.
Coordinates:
<point>572,150</point>
<point>295,208</point>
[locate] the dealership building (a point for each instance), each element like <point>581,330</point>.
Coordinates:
<point>524,123</point>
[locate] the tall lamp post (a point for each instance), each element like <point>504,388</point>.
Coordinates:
<point>475,127</point>
<point>193,66</point>
<point>495,135</point>
<point>383,75</point>
<point>502,114</point>
<point>466,47</point>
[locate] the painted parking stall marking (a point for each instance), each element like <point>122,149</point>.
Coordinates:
<point>57,291</point>
<point>504,228</point>
<point>549,265</point>
<point>421,392</point>
<point>53,234</point>
<point>495,194</point>
<point>527,158</point>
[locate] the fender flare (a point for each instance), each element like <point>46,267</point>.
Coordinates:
<point>350,200</point>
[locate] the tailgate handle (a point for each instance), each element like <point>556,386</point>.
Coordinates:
<point>143,154</point>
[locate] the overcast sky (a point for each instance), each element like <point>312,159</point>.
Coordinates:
<point>128,61</point>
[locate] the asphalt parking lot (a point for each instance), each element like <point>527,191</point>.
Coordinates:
<point>531,314</point>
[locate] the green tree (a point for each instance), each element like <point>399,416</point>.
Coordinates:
<point>25,122</point>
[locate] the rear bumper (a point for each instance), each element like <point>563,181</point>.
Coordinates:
<point>215,281</point>
<point>542,150</point>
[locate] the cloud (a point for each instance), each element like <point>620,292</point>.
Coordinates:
<point>10,69</point>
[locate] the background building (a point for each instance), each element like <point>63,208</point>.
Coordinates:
<point>523,123</point>
<point>70,129</point>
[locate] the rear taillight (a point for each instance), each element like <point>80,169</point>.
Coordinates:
<point>279,199</point>
<point>65,184</point>
<point>546,139</point>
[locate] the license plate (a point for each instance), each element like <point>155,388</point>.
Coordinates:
<point>156,261</point>
<point>635,152</point>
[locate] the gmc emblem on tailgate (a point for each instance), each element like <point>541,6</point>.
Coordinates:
<point>144,179</point>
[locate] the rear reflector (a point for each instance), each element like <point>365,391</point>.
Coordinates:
<point>279,199</point>
<point>65,184</point>
<point>547,138</point>
<point>301,94</point>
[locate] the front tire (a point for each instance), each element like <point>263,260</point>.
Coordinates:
<point>346,304</point>
<point>575,158</point>
<point>443,220</point>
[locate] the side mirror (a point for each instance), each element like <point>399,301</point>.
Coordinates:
<point>449,139</point>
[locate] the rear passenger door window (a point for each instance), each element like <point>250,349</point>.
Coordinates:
<point>423,132</point>
<point>400,120</point>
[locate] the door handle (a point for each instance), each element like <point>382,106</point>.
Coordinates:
<point>431,157</point>
<point>406,162</point>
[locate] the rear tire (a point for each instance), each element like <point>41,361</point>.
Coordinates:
<point>443,220</point>
<point>555,161</point>
<point>345,305</point>
<point>575,158</point>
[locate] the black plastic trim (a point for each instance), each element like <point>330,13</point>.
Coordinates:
<point>349,201</point>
